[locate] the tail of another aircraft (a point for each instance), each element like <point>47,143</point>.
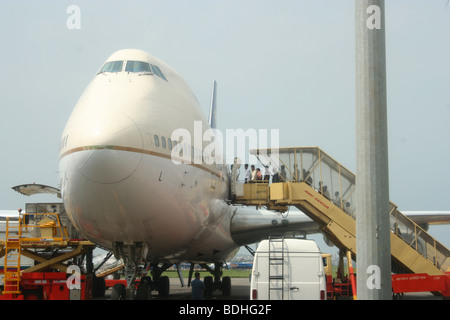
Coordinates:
<point>213,107</point>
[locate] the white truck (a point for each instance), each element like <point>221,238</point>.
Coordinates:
<point>288,269</point>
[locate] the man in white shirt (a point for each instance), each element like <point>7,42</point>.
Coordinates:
<point>248,173</point>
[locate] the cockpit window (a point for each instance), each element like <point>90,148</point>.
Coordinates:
<point>133,66</point>
<point>157,71</point>
<point>112,66</point>
<point>137,66</point>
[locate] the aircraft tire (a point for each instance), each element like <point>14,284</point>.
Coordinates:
<point>226,286</point>
<point>118,292</point>
<point>164,286</point>
<point>209,286</point>
<point>143,291</point>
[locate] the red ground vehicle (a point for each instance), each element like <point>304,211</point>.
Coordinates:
<point>49,286</point>
<point>401,283</point>
<point>32,235</point>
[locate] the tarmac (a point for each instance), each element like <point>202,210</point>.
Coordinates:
<point>240,290</point>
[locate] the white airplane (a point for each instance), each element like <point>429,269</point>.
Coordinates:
<point>9,214</point>
<point>122,190</point>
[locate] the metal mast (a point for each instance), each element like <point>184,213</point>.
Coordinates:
<point>372,176</point>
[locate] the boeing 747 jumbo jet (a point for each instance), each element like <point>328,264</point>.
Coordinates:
<point>122,187</point>
<point>126,184</point>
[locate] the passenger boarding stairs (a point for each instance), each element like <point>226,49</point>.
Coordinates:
<point>323,189</point>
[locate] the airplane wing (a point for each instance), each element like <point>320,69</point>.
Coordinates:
<point>428,217</point>
<point>31,189</point>
<point>249,225</point>
<point>9,213</point>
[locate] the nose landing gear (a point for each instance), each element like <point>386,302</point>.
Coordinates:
<point>213,284</point>
<point>133,256</point>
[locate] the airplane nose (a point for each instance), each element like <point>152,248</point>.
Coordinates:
<point>109,165</point>
<point>112,146</point>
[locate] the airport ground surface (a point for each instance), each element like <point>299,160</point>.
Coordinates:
<point>240,290</point>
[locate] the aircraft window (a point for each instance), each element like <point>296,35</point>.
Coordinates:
<point>156,140</point>
<point>163,142</point>
<point>158,72</point>
<point>154,70</point>
<point>169,143</point>
<point>112,66</point>
<point>137,66</point>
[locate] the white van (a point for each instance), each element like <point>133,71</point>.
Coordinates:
<point>288,269</point>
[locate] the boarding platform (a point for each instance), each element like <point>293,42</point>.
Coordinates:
<point>43,238</point>
<point>312,181</point>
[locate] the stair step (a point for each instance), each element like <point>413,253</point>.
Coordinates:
<point>12,274</point>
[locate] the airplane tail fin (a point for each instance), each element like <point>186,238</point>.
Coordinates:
<point>213,107</point>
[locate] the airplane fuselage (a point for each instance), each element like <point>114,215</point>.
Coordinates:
<point>118,181</point>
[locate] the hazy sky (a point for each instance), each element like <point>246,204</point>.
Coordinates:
<point>284,64</point>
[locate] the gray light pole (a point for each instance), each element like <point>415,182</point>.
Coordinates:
<point>373,249</point>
